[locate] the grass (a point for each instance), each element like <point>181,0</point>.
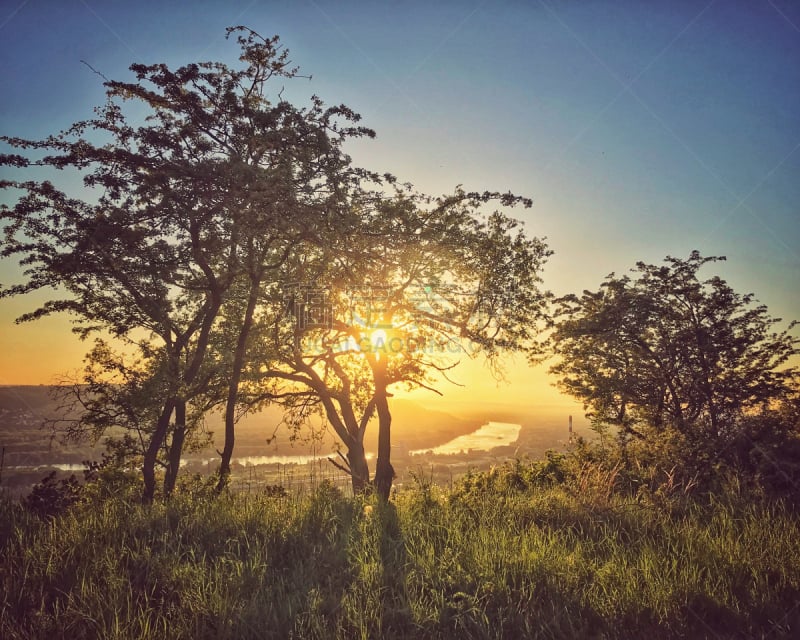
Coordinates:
<point>485,560</point>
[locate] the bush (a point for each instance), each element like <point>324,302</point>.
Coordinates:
<point>51,497</point>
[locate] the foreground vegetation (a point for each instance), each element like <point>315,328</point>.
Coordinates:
<point>522,551</point>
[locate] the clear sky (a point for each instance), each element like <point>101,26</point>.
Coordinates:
<point>640,129</point>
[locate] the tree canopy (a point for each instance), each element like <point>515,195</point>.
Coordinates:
<point>428,279</point>
<point>666,349</point>
<point>198,221</point>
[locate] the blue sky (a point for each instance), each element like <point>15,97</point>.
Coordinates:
<point>640,129</point>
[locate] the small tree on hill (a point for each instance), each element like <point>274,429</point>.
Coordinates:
<point>667,350</point>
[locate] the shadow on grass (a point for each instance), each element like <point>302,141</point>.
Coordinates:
<point>397,618</point>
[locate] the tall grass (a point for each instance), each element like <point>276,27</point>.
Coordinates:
<point>485,560</point>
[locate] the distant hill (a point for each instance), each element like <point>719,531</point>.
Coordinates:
<point>26,398</point>
<point>27,442</point>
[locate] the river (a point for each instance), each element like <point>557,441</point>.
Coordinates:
<point>487,437</point>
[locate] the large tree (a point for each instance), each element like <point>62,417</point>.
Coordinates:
<point>197,221</point>
<point>428,281</point>
<point>215,188</point>
<point>667,349</point>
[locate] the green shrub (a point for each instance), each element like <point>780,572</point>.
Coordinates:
<point>51,497</point>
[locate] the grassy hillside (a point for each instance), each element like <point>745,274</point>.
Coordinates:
<point>496,557</point>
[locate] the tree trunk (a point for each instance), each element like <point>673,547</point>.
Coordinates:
<point>150,456</point>
<point>160,434</point>
<point>176,448</point>
<point>233,387</point>
<point>359,469</point>
<point>384,472</point>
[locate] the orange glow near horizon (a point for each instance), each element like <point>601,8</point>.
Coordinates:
<point>46,352</point>
<point>40,352</point>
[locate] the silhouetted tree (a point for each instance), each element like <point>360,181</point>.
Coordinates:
<point>197,221</point>
<point>426,281</point>
<point>669,350</point>
<point>219,184</point>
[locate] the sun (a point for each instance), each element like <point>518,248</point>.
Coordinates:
<point>378,339</point>
<point>381,343</point>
